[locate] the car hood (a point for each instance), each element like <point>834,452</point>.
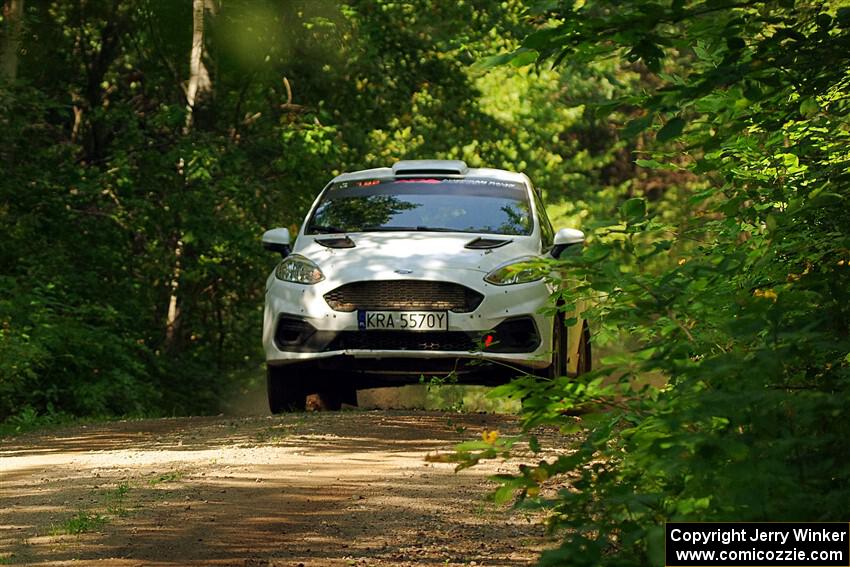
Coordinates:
<point>413,254</point>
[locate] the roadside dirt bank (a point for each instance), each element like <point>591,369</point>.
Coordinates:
<point>312,489</point>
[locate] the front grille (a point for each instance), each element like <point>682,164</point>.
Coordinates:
<point>413,295</point>
<point>403,340</point>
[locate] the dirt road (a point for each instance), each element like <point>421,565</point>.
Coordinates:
<point>348,488</point>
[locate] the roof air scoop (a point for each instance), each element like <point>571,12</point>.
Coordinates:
<point>430,167</point>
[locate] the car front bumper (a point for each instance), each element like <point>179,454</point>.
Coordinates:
<point>327,334</point>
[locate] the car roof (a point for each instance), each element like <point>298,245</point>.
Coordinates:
<point>429,168</point>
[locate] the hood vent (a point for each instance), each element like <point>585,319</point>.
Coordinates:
<point>336,242</point>
<point>482,243</point>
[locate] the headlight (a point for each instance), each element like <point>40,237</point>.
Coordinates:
<point>516,272</point>
<point>299,269</point>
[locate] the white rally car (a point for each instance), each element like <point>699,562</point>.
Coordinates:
<point>410,271</point>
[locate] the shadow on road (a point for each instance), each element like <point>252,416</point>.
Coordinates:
<point>318,489</point>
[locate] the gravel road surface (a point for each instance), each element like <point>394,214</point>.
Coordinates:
<point>312,489</point>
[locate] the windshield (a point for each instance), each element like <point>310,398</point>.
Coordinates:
<point>441,205</point>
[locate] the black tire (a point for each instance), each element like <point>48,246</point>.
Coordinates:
<point>286,388</point>
<point>335,391</point>
<point>558,367</point>
<point>585,353</point>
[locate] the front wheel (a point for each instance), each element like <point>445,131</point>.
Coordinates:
<point>286,389</point>
<point>335,390</point>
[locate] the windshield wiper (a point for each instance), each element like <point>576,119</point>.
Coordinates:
<point>407,229</point>
<point>324,229</point>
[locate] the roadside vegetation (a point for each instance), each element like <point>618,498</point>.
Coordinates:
<point>702,146</point>
<point>111,504</point>
<point>737,295</point>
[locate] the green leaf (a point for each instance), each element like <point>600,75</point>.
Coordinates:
<point>520,57</point>
<point>671,130</point>
<point>648,163</point>
<point>809,107</point>
<point>473,446</point>
<point>543,39</point>
<point>523,57</point>
<point>789,160</point>
<point>771,222</point>
<point>493,61</point>
<point>636,126</point>
<point>634,208</point>
<point>503,494</point>
<point>653,164</point>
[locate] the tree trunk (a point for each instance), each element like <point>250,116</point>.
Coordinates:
<point>199,84</point>
<point>199,78</point>
<point>173,316</point>
<point>13,15</point>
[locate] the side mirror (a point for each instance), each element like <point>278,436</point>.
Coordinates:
<point>566,238</point>
<point>277,240</point>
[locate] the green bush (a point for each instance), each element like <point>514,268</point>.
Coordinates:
<point>743,307</point>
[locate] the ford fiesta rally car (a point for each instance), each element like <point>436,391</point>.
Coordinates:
<point>411,271</point>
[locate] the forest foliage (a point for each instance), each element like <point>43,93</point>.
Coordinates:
<point>113,202</point>
<point>140,166</point>
<point>741,306</point>
<point>702,145</point>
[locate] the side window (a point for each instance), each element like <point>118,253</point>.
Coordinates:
<point>547,233</point>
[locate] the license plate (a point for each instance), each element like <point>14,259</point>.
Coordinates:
<point>403,320</point>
